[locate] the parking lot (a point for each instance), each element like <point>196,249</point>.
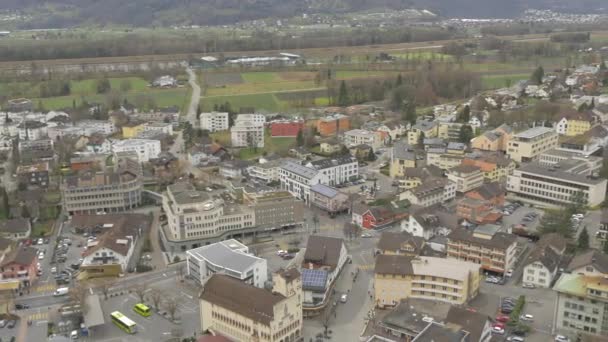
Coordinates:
<point>518,217</point>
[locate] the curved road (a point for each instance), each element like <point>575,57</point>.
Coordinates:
<point>195,99</point>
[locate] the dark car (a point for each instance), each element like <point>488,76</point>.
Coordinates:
<point>11,324</point>
<point>21,306</point>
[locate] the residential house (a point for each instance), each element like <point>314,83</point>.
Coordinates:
<point>443,159</point>
<point>415,176</point>
<point>266,170</point>
<point>330,146</point>
<point>229,257</point>
<point>477,211</point>
<point>394,129</point>
<point>329,199</point>
<point>133,129</point>
<point>493,193</point>
<point>378,217</point>
<point>338,170</point>
<point>15,229</point>
<point>495,166</point>
<point>432,191</point>
<point>400,243</point>
<point>333,124</point>
<point>466,177</point>
<point>429,222</point>
<point>602,233</point>
<point>242,312</point>
<point>422,129</point>
<point>399,277</point>
<point>323,261</point>
<point>541,266</point>
<point>248,131</point>
<point>233,168</point>
<point>494,250</point>
<point>20,264</point>
<point>146,149</point>
<point>589,263</point>
<point>573,122</point>
<point>362,137</point>
<point>494,140</point>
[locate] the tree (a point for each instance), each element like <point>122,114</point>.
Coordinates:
<point>157,295</point>
<point>140,291</point>
<point>171,306</point>
<point>410,113</point>
<point>577,203</point>
<point>5,203</point>
<point>315,221</point>
<point>466,134</point>
<point>103,86</point>
<point>300,138</point>
<point>343,100</point>
<point>465,115</point>
<point>105,286</point>
<point>556,221</point>
<point>583,240</point>
<point>78,294</point>
<point>371,156</point>
<point>125,85</point>
<point>399,81</point>
<point>25,213</point>
<point>606,247</point>
<point>537,75</point>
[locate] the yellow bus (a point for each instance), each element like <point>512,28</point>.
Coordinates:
<point>142,309</point>
<point>123,322</point>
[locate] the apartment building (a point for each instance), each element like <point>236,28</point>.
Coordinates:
<point>133,129</point>
<point>275,209</point>
<point>248,131</point>
<point>333,124</point>
<point>363,137</point>
<point>526,146</point>
<point>573,122</point>
<point>495,166</point>
<point>19,263</point>
<point>466,177</point>
<point>146,149</point>
<point>443,159</point>
<point>242,312</point>
<point>400,243</point>
<point>91,192</point>
<point>432,191</point>
<point>582,305</point>
<point>494,250</point>
<point>194,217</point>
<point>214,121</point>
<point>286,128</point>
<point>329,199</point>
<point>402,158</point>
<point>32,130</point>
<point>494,140</point>
<point>422,129</point>
<point>297,179</point>
<point>338,170</point>
<point>266,170</point>
<point>159,128</point>
<point>36,175</point>
<point>15,229</point>
<point>429,222</point>
<point>555,186</point>
<point>103,127</point>
<point>230,258</point>
<point>399,277</point>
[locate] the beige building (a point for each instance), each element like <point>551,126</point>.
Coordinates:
<point>528,145</point>
<point>399,277</point>
<point>443,159</point>
<point>466,177</point>
<point>432,191</point>
<point>242,312</point>
<point>494,250</point>
<point>494,140</point>
<point>402,157</point>
<point>275,209</point>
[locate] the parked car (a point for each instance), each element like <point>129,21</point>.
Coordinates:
<point>528,286</point>
<point>2,323</point>
<point>515,339</point>
<point>11,324</point>
<point>561,338</point>
<point>502,318</point>
<point>21,306</point>
<point>526,317</point>
<point>498,330</point>
<point>344,298</point>
<point>509,273</point>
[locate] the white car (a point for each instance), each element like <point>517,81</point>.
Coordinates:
<point>528,286</point>
<point>579,216</point>
<point>561,338</point>
<point>498,330</point>
<point>40,241</point>
<point>509,273</point>
<point>526,317</point>
<point>281,252</point>
<point>344,298</point>
<point>53,270</point>
<point>515,339</point>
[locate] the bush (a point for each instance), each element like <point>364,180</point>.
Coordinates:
<point>177,259</point>
<point>293,250</point>
<point>147,248</point>
<point>519,306</point>
<point>141,268</point>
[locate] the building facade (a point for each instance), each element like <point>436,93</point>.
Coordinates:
<point>286,128</point>
<point>328,198</point>
<point>528,145</point>
<point>146,149</point>
<point>214,121</point>
<point>363,137</point>
<point>466,177</point>
<point>34,175</point>
<point>248,131</point>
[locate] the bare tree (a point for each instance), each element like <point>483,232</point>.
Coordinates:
<point>157,295</point>
<point>105,286</point>
<point>78,295</point>
<point>172,306</point>
<point>180,271</point>
<point>140,290</point>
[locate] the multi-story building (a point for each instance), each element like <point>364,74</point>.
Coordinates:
<point>19,105</point>
<point>582,305</point>
<point>132,129</point>
<point>466,177</point>
<point>541,267</point>
<point>494,250</point>
<point>214,121</point>
<point>20,264</point>
<point>286,128</point>
<point>248,131</point>
<point>573,122</point>
<point>494,140</point>
<point>589,263</point>
<point>163,128</point>
<point>230,258</point>
<point>571,161</point>
<point>602,233</point>
<point>15,229</point>
<point>443,159</point>
<point>328,198</point>
<point>415,176</point>
<point>495,167</point>
<point>338,170</point>
<point>266,170</point>
<point>399,277</point>
<point>146,149</point>
<point>91,192</point>
<point>91,127</point>
<point>363,137</point>
<point>432,191</point>
<point>554,186</point>
<point>402,158</point>
<point>429,222</point>
<point>193,217</point>
<point>297,179</point>
<point>422,129</point>
<point>242,312</point>
<point>34,175</point>
<point>275,209</point>
<point>32,130</point>
<point>528,145</point>
<point>400,243</point>
<point>477,211</point>
<point>333,124</point>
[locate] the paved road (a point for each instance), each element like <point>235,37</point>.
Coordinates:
<point>195,99</point>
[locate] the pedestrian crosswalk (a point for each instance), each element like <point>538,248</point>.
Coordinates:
<point>45,288</point>
<point>366,267</point>
<point>40,316</point>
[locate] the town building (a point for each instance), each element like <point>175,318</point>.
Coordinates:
<point>363,137</point>
<point>378,217</point>
<point>194,217</point>
<point>248,131</point>
<point>234,168</point>
<point>581,306</point>
<point>554,186</point>
<point>402,157</point>
<point>275,209</point>
<point>495,166</point>
<point>399,277</point>
<point>400,243</point>
<point>494,140</point>
<point>114,249</point>
<point>286,128</point>
<point>32,130</point>
<point>242,312</point>
<point>328,198</point>
<point>338,170</point>
<point>146,149</point>
<point>133,129</point>
<point>90,192</point>
<point>322,263</point>
<point>428,222</point>
<point>214,121</point>
<point>297,179</point>
<point>266,170</point>
<point>332,125</point>
<point>35,175</point>
<point>90,127</point>
<point>394,129</point>
<point>477,211</point>
<point>230,258</point>
<point>573,122</point>
<point>589,263</point>
<point>415,176</point>
<point>466,177</point>
<point>15,229</point>
<point>432,191</point>
<point>165,81</point>
<point>36,150</point>
<point>444,159</point>
<point>330,146</point>
<point>541,266</point>
<point>493,193</point>
<point>19,105</point>
<point>422,129</point>
<point>19,263</point>
<point>160,128</point>
<point>526,146</point>
<point>494,250</point>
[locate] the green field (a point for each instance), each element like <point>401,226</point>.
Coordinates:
<point>262,101</point>
<point>259,77</point>
<point>501,81</point>
<point>271,145</point>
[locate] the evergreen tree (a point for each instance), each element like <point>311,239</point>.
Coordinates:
<point>399,81</point>
<point>583,240</point>
<point>466,134</point>
<point>371,156</point>
<point>603,65</point>
<point>537,75</point>
<point>25,213</point>
<point>343,95</point>
<point>300,138</point>
<point>410,113</point>
<point>5,203</point>
<point>465,115</point>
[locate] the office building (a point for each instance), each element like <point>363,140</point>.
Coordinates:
<point>526,146</point>
<point>36,175</point>
<point>432,191</point>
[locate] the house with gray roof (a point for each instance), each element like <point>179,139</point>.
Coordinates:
<point>228,257</point>
<point>329,199</point>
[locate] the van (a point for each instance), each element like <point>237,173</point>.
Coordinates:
<point>62,291</point>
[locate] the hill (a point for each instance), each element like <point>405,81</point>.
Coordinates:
<point>67,13</point>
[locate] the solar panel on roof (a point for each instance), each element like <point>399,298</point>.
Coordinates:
<point>314,278</point>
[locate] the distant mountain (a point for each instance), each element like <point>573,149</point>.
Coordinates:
<point>66,13</point>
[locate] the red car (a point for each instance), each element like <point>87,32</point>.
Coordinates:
<point>502,318</point>
<point>499,325</point>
